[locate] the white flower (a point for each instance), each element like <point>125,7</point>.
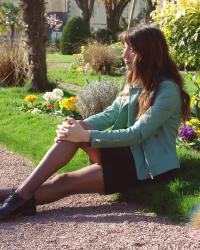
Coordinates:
<point>36,110</point>
<point>58,92</point>
<point>54,96</point>
<point>47,96</point>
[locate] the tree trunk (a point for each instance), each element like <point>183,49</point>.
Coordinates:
<point>112,21</point>
<point>86,17</point>
<point>151,5</point>
<point>34,19</point>
<point>86,7</point>
<point>114,11</point>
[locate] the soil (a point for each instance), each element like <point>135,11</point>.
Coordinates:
<point>85,222</point>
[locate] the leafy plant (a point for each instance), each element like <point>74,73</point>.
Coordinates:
<point>104,35</point>
<point>195,100</point>
<point>100,58</point>
<point>96,96</point>
<point>75,33</point>
<point>180,23</point>
<point>10,18</point>
<point>118,50</point>
<point>189,135</point>
<point>13,65</point>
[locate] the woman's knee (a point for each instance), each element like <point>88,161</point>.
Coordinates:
<point>65,184</point>
<point>60,179</point>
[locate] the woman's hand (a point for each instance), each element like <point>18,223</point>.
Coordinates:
<point>71,130</point>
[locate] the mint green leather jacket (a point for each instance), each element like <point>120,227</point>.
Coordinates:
<point>152,137</point>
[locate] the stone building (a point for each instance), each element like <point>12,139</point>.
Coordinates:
<point>68,8</point>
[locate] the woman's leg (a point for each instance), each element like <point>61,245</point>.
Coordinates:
<point>53,187</point>
<point>86,180</point>
<point>58,156</point>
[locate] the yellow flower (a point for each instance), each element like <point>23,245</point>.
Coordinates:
<point>188,123</point>
<point>197,132</point>
<point>193,100</point>
<point>80,69</point>
<point>195,121</point>
<point>69,103</point>
<point>31,98</point>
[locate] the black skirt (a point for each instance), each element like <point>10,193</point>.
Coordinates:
<point>119,171</point>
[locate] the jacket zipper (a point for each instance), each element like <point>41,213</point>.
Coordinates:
<point>148,168</point>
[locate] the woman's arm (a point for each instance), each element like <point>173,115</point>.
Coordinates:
<point>166,103</point>
<point>78,131</point>
<point>107,118</point>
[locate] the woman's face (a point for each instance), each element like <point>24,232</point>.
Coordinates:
<point>128,56</point>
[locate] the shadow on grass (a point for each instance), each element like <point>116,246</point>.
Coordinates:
<point>173,197</point>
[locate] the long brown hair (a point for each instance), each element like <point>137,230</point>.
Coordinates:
<point>152,64</point>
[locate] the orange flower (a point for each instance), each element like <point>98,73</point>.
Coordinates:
<point>73,99</point>
<point>49,106</point>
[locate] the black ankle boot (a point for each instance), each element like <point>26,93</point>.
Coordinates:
<point>16,204</point>
<point>29,208</point>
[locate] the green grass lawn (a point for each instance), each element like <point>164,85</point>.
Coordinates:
<point>171,198</point>
<point>64,74</point>
<point>59,58</point>
<point>31,135</point>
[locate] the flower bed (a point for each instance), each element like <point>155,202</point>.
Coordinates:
<point>53,103</point>
<point>189,134</point>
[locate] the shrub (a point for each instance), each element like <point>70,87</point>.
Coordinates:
<point>96,96</point>
<point>180,23</point>
<point>100,58</point>
<point>13,65</point>
<point>195,100</point>
<point>75,33</point>
<point>118,50</point>
<point>104,36</point>
<point>78,61</point>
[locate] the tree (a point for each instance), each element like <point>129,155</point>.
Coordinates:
<point>86,7</point>
<point>34,20</point>
<point>11,17</point>
<point>151,5</point>
<point>114,9</point>
<point>74,34</point>
<point>53,23</point>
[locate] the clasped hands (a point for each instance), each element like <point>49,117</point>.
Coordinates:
<point>71,130</point>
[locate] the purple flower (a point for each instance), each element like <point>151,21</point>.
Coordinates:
<point>187,133</point>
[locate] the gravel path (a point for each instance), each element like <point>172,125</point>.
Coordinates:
<point>69,86</point>
<point>58,64</point>
<point>85,222</point>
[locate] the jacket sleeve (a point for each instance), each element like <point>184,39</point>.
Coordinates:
<point>107,118</point>
<point>167,102</point>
